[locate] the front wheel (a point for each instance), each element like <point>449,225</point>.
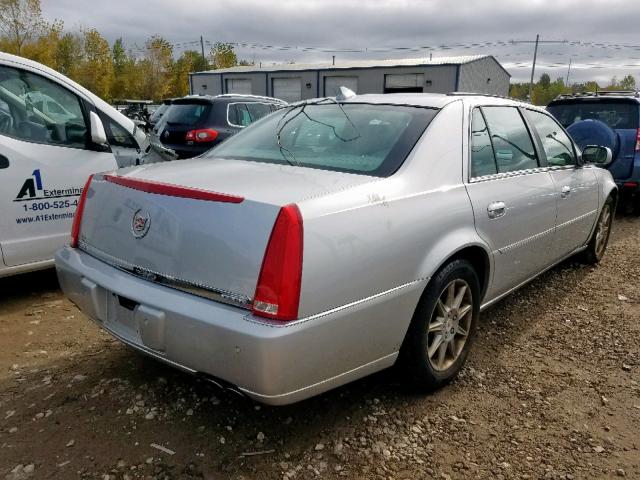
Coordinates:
<point>442,328</point>
<point>600,236</point>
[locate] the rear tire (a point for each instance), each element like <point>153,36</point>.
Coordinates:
<point>442,329</point>
<point>600,236</point>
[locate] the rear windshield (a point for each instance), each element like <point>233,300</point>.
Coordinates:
<point>190,114</point>
<point>356,138</point>
<point>618,115</point>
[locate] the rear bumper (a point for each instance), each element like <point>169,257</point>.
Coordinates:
<point>273,363</point>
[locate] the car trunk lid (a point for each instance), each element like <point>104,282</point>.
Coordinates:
<point>203,227</point>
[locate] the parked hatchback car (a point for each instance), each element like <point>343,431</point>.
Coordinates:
<point>196,123</point>
<point>53,134</point>
<point>611,119</point>
<point>336,238</point>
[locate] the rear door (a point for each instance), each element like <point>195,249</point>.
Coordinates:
<point>44,163</point>
<point>576,186</point>
<point>513,198</point>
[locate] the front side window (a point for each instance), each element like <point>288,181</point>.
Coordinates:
<point>483,161</point>
<point>357,138</point>
<point>41,110</point>
<point>511,141</point>
<point>116,134</point>
<point>556,144</point>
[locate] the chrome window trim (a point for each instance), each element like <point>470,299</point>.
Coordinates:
<point>243,103</point>
<point>186,286</point>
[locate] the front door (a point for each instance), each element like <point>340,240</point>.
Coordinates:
<point>513,198</point>
<point>576,186</point>
<point>45,162</point>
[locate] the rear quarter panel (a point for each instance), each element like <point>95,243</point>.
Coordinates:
<point>391,233</point>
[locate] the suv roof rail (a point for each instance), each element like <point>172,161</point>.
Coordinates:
<point>245,95</point>
<point>601,93</point>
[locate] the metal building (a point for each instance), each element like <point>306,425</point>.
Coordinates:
<point>479,73</point>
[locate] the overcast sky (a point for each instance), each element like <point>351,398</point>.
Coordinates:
<point>360,24</point>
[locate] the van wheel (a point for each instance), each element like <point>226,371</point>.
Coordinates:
<point>600,236</point>
<point>442,328</point>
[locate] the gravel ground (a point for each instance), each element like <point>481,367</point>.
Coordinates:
<point>551,390</point>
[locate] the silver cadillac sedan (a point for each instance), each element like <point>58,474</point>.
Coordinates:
<point>336,238</point>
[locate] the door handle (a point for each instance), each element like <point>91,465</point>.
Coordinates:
<point>496,209</point>
<point>565,191</point>
<point>4,162</point>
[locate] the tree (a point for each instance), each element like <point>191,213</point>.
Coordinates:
<point>42,48</point>
<point>545,80</point>
<point>222,55</point>
<point>96,72</point>
<point>68,54</point>
<point>156,67</point>
<point>20,21</point>
<point>189,61</point>
<point>628,83</point>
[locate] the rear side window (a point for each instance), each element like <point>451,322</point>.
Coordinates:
<point>243,114</point>
<point>188,114</point>
<point>616,114</point>
<point>357,138</point>
<point>556,144</point>
<point>512,144</point>
<point>483,161</point>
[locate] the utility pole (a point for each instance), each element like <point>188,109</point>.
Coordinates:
<point>568,71</point>
<point>533,67</point>
<point>204,59</point>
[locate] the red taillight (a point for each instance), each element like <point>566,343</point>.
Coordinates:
<point>77,217</point>
<point>202,135</point>
<point>278,292</point>
<point>638,141</point>
<point>630,184</point>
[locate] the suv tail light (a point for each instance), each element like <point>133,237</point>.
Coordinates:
<point>201,135</point>
<point>638,141</point>
<point>77,217</point>
<point>278,292</point>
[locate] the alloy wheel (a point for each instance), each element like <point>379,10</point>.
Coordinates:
<point>449,325</point>
<point>604,225</point>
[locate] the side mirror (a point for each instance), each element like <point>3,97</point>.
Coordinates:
<point>98,135</point>
<point>600,156</point>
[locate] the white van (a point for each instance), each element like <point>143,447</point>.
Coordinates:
<point>53,135</point>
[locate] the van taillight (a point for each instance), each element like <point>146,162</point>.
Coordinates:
<point>278,292</point>
<point>202,135</point>
<point>77,217</point>
<point>638,141</point>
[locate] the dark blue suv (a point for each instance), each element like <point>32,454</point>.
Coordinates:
<point>610,119</point>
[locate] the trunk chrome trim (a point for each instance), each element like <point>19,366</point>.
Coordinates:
<point>197,289</point>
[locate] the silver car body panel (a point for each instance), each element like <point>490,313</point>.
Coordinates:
<point>370,247</point>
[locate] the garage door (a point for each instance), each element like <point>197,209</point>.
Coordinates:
<point>332,84</point>
<point>287,89</point>
<point>238,85</point>
<point>405,82</point>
